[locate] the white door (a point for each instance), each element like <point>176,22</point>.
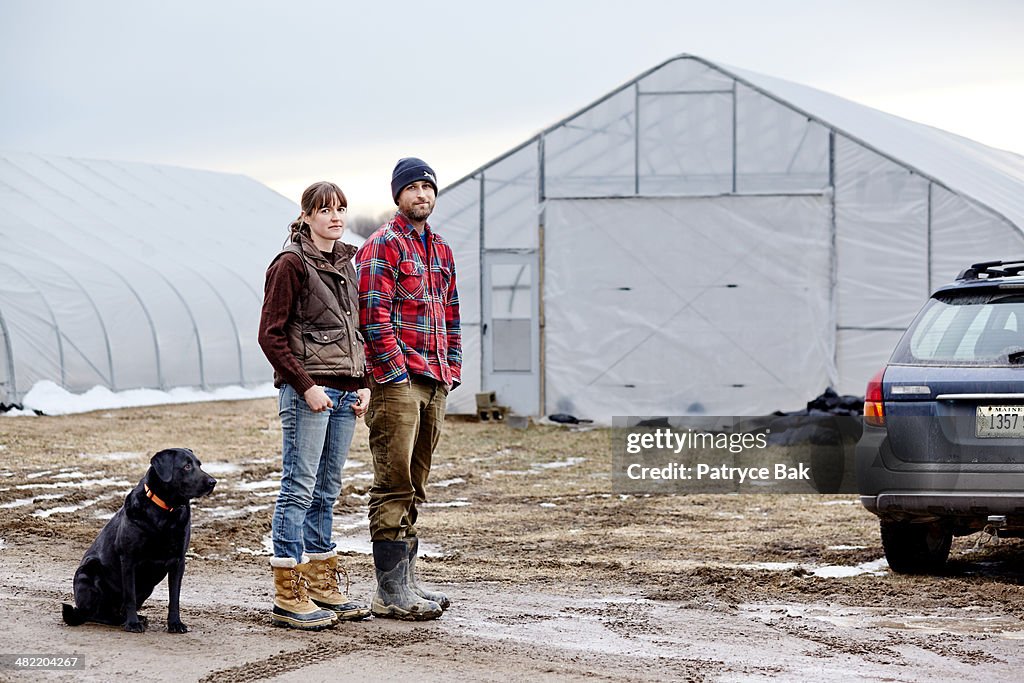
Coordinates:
<point>510,330</point>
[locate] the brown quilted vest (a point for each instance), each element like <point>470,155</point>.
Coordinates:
<point>324,332</point>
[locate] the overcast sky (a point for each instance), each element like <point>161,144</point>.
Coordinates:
<point>298,91</point>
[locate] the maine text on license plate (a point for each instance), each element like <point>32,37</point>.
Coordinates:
<point>999,421</point>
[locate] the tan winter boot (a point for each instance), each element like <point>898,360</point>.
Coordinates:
<point>322,572</point>
<point>440,598</point>
<point>292,606</point>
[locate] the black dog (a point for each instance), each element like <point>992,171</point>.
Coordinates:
<point>142,543</point>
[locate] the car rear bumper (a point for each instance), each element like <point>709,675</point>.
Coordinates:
<point>946,503</point>
<point>895,489</point>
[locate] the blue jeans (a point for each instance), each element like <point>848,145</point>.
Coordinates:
<point>313,453</point>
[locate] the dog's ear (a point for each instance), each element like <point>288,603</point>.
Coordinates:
<point>163,464</point>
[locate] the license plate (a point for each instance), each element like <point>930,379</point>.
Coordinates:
<point>999,422</point>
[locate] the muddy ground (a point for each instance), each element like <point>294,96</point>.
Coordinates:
<point>552,575</point>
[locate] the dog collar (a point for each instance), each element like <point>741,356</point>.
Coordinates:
<point>156,499</point>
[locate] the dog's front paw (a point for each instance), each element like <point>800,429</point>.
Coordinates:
<point>176,627</point>
<point>135,626</point>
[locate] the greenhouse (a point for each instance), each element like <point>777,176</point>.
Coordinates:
<point>127,275</point>
<point>708,240</point>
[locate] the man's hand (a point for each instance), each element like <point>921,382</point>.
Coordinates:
<point>359,407</point>
<point>317,400</point>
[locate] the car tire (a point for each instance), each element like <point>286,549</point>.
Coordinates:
<point>916,548</point>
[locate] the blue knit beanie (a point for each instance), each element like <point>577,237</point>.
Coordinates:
<point>408,171</point>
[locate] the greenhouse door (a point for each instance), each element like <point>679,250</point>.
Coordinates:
<point>511,334</point>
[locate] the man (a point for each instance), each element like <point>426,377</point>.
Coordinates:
<point>409,317</point>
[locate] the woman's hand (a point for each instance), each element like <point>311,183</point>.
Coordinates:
<point>359,407</point>
<point>317,400</point>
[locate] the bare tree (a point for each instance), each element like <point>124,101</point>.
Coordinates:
<point>364,225</point>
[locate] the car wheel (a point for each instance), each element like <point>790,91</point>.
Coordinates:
<point>916,548</point>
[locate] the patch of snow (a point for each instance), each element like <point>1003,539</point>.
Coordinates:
<point>875,568</point>
<point>568,462</point>
<point>69,508</point>
<point>449,504</point>
<point>448,482</point>
<point>227,512</point>
<point>254,485</point>
<point>81,484</point>
<point>22,502</point>
<point>220,467</point>
<point>50,399</point>
<point>548,505</point>
<point>117,456</point>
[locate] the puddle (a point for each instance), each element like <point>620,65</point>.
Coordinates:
<point>963,623</point>
<point>356,520</point>
<point>1004,626</point>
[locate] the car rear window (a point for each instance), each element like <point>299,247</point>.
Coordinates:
<point>965,329</point>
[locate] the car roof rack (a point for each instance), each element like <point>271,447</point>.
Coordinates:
<point>990,269</point>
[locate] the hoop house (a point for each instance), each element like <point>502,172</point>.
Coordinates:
<point>129,275</point>
<point>705,239</point>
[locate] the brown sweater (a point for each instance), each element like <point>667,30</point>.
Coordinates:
<point>283,286</point>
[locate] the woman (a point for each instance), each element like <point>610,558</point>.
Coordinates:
<point>308,331</point>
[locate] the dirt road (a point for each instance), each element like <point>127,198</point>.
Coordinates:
<point>553,576</point>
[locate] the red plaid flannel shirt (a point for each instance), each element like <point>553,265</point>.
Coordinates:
<point>409,305</point>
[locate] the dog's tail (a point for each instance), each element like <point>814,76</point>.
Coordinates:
<point>72,615</point>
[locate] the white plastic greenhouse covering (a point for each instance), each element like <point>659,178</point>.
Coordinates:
<point>130,275</point>
<point>709,240</point>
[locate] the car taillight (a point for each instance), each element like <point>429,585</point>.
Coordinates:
<point>874,409</point>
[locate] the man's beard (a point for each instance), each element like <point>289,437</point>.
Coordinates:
<point>420,212</point>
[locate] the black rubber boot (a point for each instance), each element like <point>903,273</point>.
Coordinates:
<point>440,598</point>
<point>393,598</point>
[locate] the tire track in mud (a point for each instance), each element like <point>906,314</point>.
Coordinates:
<point>872,651</point>
<point>331,647</point>
<point>278,664</point>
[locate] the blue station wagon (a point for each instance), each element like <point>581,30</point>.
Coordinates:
<point>942,452</point>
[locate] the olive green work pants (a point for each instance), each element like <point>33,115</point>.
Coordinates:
<point>405,422</point>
